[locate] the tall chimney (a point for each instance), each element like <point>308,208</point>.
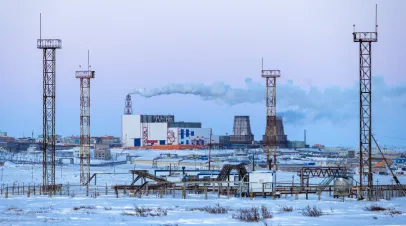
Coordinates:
<point>305,137</point>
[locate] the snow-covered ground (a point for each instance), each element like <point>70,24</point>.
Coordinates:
<point>108,210</point>
<point>79,209</point>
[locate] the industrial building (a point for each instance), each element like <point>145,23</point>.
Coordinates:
<point>102,154</point>
<point>281,138</point>
<point>152,130</point>
<point>103,141</point>
<point>242,131</point>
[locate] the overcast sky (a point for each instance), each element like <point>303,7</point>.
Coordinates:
<point>151,44</point>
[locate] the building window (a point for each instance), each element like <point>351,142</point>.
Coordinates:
<point>192,133</point>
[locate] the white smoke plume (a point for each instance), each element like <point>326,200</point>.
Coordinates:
<point>254,93</point>
<point>294,103</point>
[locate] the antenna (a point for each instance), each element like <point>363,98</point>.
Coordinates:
<point>88,60</point>
<point>262,63</point>
<point>39,26</point>
<point>376,18</point>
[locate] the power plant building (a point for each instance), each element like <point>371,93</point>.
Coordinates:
<point>148,130</point>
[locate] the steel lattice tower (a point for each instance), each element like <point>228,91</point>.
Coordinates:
<point>48,47</point>
<point>270,76</point>
<point>128,109</point>
<point>365,73</point>
<point>84,153</point>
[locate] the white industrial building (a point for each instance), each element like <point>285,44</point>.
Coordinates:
<point>145,130</point>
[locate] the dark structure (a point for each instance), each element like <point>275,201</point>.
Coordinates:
<point>128,110</point>
<point>182,124</point>
<point>281,138</point>
<point>157,118</point>
<point>365,40</point>
<point>242,131</point>
<point>48,47</point>
<point>309,172</point>
<point>84,153</point>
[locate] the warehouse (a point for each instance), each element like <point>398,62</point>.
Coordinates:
<point>147,130</point>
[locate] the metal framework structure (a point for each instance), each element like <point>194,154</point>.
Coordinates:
<point>48,47</point>
<point>170,137</point>
<point>144,134</point>
<point>309,172</point>
<point>84,153</point>
<point>365,40</point>
<point>128,110</point>
<point>270,76</point>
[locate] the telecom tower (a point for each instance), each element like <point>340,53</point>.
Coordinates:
<point>365,72</point>
<point>48,47</point>
<point>128,110</point>
<point>84,153</point>
<point>270,76</point>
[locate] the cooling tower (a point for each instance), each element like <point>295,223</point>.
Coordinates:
<point>281,138</point>
<point>242,131</point>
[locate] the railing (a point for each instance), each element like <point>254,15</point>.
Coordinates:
<point>365,36</point>
<point>7,190</point>
<point>49,44</point>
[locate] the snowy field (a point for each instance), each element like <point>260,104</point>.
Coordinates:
<point>108,210</point>
<point>79,209</point>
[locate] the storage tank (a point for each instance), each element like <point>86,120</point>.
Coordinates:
<point>342,187</point>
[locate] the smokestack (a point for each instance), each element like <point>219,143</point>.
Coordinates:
<point>305,137</point>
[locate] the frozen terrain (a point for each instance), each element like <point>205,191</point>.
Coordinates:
<point>75,208</point>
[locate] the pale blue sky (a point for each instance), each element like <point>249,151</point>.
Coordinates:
<point>137,44</point>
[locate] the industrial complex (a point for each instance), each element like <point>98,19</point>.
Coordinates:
<point>165,156</point>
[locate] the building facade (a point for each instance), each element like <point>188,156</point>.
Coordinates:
<point>147,130</point>
<point>102,154</point>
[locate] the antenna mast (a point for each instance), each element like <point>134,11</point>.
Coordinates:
<point>365,40</point>
<point>84,153</point>
<point>48,48</point>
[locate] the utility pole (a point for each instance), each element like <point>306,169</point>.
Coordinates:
<point>210,149</point>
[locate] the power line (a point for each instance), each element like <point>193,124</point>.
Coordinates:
<point>396,138</point>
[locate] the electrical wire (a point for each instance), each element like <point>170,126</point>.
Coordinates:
<point>396,138</point>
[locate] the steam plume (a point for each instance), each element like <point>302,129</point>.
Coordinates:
<point>294,103</point>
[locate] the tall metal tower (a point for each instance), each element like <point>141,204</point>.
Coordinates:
<point>270,77</point>
<point>128,110</point>
<point>84,153</point>
<point>365,137</point>
<point>48,47</point>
